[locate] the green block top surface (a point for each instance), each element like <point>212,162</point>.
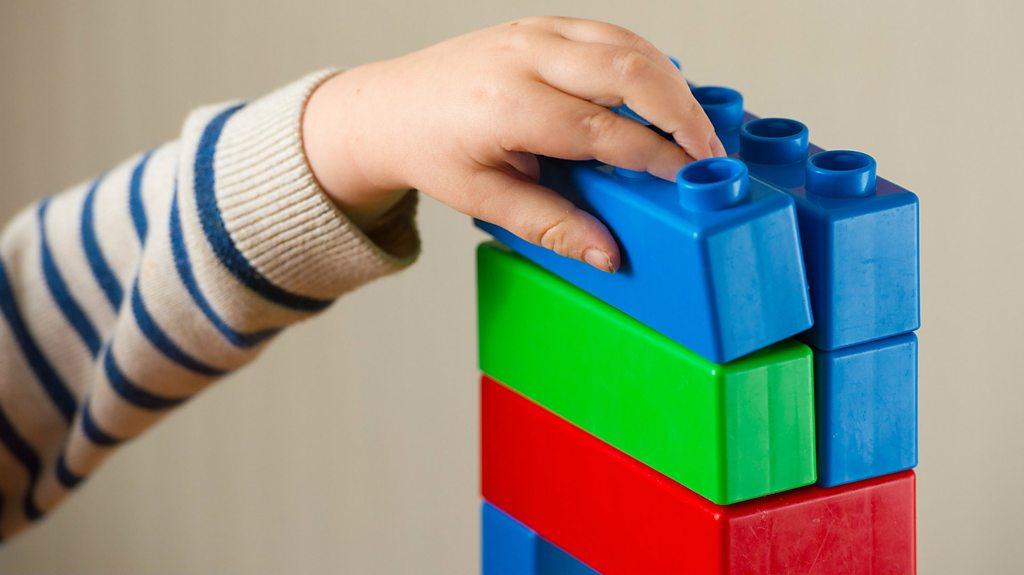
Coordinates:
<point>730,432</point>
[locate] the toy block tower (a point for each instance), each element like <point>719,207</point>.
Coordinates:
<point>740,398</point>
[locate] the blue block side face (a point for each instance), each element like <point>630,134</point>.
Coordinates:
<point>866,401</point>
<point>861,256</point>
<point>874,274</point>
<point>551,560</point>
<point>862,266</point>
<point>700,278</point>
<point>508,546</point>
<point>511,548</point>
<point>748,279</point>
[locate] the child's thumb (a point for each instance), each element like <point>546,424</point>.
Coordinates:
<point>540,216</point>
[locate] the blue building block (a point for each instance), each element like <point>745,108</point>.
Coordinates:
<point>866,408</point>
<point>859,232</point>
<point>724,107</point>
<point>713,261</point>
<point>511,548</point>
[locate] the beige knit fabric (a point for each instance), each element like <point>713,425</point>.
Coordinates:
<point>125,296</point>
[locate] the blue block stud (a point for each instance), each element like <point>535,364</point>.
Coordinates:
<point>713,262</point>
<point>511,548</point>
<point>840,174</point>
<point>774,141</point>
<point>724,107</point>
<point>859,232</point>
<point>866,408</point>
<point>714,184</point>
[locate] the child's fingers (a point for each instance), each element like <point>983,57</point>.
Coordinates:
<point>718,148</point>
<point>540,216</point>
<point>611,75</point>
<point>595,32</point>
<point>525,163</point>
<point>562,126</point>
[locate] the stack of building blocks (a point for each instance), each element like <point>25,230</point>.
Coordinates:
<point>740,397</point>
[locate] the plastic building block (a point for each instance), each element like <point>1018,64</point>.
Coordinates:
<point>724,107</point>
<point>619,516</point>
<point>729,432</point>
<point>511,548</point>
<point>859,232</point>
<point>866,404</point>
<point>713,262</point>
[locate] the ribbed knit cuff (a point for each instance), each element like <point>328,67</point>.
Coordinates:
<point>282,221</point>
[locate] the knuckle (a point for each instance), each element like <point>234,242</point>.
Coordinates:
<point>600,125</point>
<point>631,38</point>
<point>520,35</point>
<point>518,40</point>
<point>472,194</point>
<point>642,44</point>
<point>630,65</point>
<point>694,109</point>
<point>530,21</point>
<point>690,112</point>
<point>554,233</point>
<point>634,41</point>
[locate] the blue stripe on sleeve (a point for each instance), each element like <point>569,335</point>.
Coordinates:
<point>93,431</point>
<point>69,479</point>
<point>29,459</point>
<point>59,289</point>
<point>160,340</point>
<point>100,269</point>
<point>135,205</point>
<point>132,393</point>
<point>52,383</point>
<point>183,264</point>
<point>219,237</point>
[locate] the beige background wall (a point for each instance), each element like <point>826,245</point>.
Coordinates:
<point>350,447</point>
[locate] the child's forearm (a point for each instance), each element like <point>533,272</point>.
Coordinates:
<point>124,297</point>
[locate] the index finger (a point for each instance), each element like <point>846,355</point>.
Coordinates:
<point>612,75</point>
<point>596,32</point>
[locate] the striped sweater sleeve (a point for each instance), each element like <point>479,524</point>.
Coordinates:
<point>124,297</point>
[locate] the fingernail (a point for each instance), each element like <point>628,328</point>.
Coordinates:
<point>598,259</point>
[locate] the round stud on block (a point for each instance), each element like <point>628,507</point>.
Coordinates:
<point>841,174</point>
<point>773,141</point>
<point>713,184</point>
<point>724,106</point>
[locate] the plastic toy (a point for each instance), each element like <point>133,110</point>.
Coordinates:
<point>644,427</point>
<point>510,548</point>
<point>860,243</point>
<point>619,516</point>
<point>859,232</point>
<point>724,107</point>
<point>729,432</point>
<point>713,262</point>
<point>866,405</point>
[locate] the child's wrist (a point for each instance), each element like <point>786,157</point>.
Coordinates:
<point>329,128</point>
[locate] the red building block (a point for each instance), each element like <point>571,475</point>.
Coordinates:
<point>621,517</point>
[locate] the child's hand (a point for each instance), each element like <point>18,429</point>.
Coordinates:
<point>462,120</point>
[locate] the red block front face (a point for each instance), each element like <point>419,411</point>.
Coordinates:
<point>621,517</point>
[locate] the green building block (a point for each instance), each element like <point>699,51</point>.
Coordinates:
<point>729,432</point>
